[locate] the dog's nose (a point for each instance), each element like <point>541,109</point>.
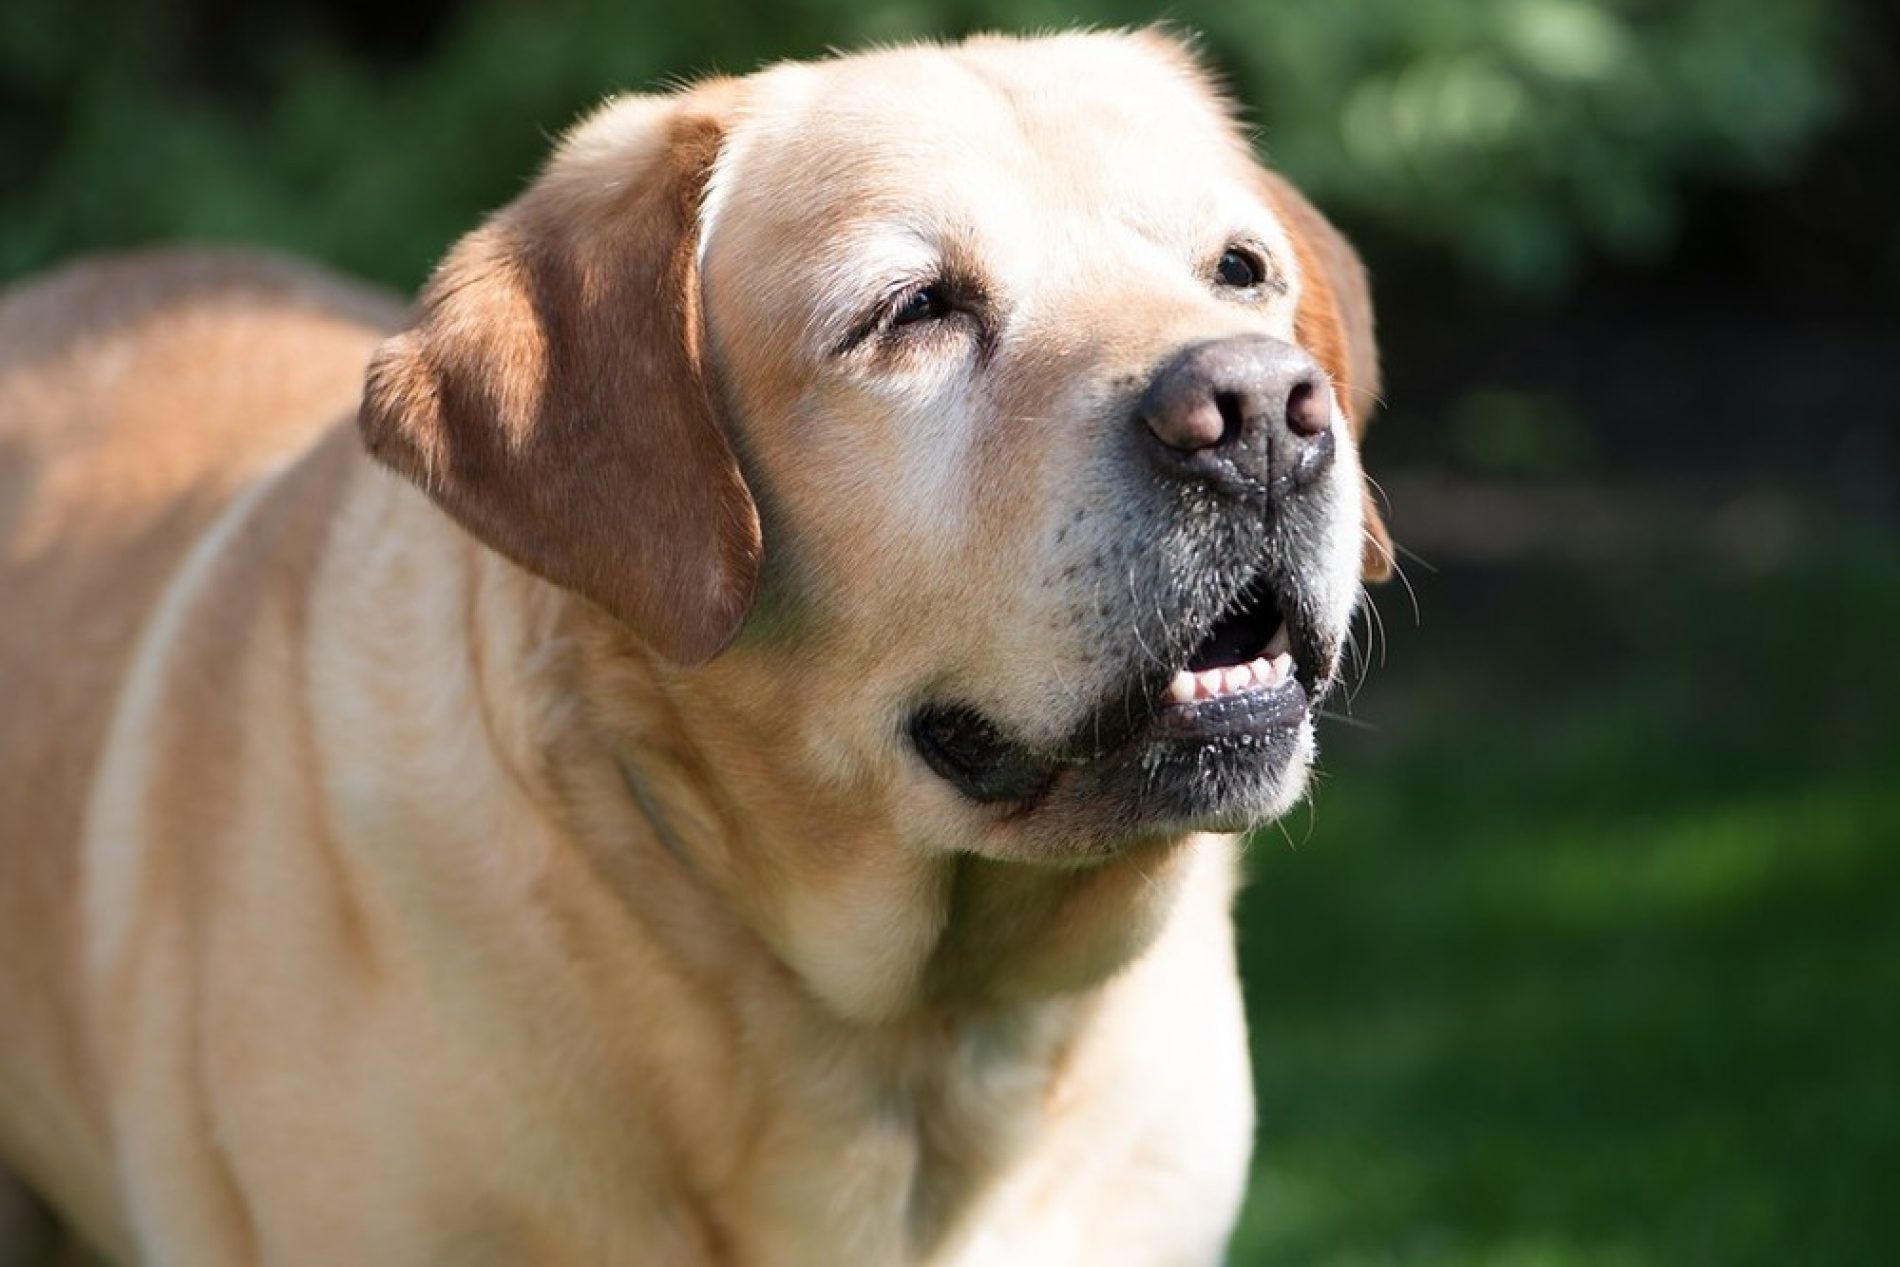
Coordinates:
<point>1249,413</point>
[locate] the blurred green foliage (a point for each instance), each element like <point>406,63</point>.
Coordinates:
<point>1518,135</point>
<point>1512,432</point>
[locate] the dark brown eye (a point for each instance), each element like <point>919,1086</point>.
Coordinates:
<point>926,303</point>
<point>1239,269</point>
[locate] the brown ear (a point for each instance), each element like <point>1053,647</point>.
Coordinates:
<point>552,397</point>
<point>1334,323</point>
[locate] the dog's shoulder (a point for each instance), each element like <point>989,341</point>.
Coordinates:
<point>147,376</point>
<point>137,393</point>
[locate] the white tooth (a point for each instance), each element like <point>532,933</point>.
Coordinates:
<point>1280,643</point>
<point>1262,671</point>
<point>1237,678</point>
<point>1207,683</point>
<point>1181,687</point>
<point>1283,666</point>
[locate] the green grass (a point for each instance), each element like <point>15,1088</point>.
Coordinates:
<point>1590,952</point>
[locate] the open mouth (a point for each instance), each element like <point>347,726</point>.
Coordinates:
<point>1247,682</point>
<point>1248,651</point>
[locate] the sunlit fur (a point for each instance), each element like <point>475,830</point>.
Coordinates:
<point>551,880</point>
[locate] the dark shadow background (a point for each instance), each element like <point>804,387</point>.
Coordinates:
<point>1589,950</point>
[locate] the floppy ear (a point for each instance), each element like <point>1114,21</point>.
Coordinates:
<point>552,397</point>
<point>1334,323</point>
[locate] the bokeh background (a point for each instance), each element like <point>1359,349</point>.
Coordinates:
<point>1588,951</point>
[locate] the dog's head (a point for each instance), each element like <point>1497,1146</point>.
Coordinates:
<point>975,427</point>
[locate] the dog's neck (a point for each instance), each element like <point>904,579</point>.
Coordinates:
<point>820,873</point>
<point>965,997</point>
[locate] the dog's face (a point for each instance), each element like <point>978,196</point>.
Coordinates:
<point>992,398</point>
<point>1073,522</point>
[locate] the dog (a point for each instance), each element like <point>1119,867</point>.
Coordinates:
<point>716,738</point>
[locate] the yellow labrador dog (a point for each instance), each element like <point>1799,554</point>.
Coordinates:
<point>717,754</point>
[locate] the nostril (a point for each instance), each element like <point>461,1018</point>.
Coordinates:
<point>1233,415</point>
<point>1306,411</point>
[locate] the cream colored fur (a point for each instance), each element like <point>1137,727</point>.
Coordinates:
<point>367,898</point>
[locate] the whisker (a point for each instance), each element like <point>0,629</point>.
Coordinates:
<point>1398,570</point>
<point>1385,499</point>
<point>1376,618</point>
<point>1279,825</point>
<point>1416,557</point>
<point>1391,553</point>
<point>1135,595</point>
<point>1365,392</point>
<point>1312,825</point>
<point>1361,661</point>
<point>1411,594</point>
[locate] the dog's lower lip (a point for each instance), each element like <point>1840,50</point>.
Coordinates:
<point>1252,710</point>
<point>1176,699</point>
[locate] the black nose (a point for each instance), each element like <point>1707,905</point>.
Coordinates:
<point>1246,414</point>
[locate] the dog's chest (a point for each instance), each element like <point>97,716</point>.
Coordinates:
<point>886,1151</point>
<point>1056,1137</point>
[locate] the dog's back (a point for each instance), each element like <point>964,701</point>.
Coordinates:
<point>137,394</point>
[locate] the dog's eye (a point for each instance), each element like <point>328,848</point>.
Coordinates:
<point>925,303</point>
<point>1239,269</point>
<point>912,315</point>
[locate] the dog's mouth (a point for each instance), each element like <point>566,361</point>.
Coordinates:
<point>1241,692</point>
<point>1248,651</point>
